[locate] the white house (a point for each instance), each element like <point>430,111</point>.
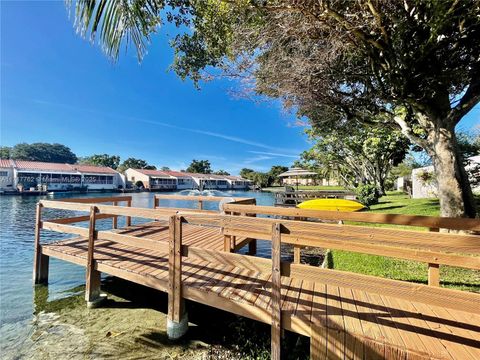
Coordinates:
<point>24,175</point>
<point>424,184</point>
<point>152,179</point>
<point>6,175</point>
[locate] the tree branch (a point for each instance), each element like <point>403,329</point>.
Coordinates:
<point>467,102</point>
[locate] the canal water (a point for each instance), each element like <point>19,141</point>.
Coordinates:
<point>29,316</point>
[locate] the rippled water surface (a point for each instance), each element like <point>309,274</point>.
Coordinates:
<point>18,323</point>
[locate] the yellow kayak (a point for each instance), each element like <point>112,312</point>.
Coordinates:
<point>331,204</point>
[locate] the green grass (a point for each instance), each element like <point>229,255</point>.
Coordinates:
<point>399,203</point>
<point>304,187</point>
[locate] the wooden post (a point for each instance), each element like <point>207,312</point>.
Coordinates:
<point>434,269</point>
<point>252,245</point>
<point>296,254</point>
<point>156,202</point>
<point>115,218</point>
<point>175,310</point>
<point>129,218</point>
<point>40,261</point>
<point>276,333</point>
<point>92,288</point>
<point>200,204</point>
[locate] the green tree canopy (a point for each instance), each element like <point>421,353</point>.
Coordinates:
<point>46,152</point>
<point>363,157</point>
<point>111,161</point>
<point>135,164</point>
<point>335,62</point>
<point>246,173</point>
<point>5,152</point>
<point>275,171</point>
<point>221,172</point>
<point>200,167</point>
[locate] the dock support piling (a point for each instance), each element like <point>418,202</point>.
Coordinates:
<point>92,287</point>
<point>40,261</point>
<point>177,322</point>
<point>115,218</point>
<point>276,333</point>
<point>129,218</point>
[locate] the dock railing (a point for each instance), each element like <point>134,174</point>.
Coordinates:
<point>459,250</point>
<point>439,248</point>
<point>200,200</point>
<point>293,198</point>
<point>432,223</point>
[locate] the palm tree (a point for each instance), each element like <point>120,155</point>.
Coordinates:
<point>115,22</point>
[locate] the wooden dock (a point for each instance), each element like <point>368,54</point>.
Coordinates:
<point>190,254</point>
<point>295,197</point>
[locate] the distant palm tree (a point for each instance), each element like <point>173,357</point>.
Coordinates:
<point>113,22</point>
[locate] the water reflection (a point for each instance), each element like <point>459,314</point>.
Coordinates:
<point>19,334</point>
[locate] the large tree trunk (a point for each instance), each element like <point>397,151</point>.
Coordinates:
<point>454,190</point>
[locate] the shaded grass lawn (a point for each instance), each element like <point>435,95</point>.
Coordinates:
<point>399,203</point>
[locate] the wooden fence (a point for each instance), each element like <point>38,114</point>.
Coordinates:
<point>460,250</point>
<point>293,198</point>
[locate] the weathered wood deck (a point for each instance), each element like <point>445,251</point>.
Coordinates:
<point>346,315</point>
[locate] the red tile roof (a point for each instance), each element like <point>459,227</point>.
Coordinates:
<point>177,173</point>
<point>42,166</point>
<point>93,169</point>
<point>152,172</point>
<point>24,165</point>
<point>5,163</point>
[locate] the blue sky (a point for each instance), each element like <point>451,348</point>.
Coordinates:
<point>57,87</point>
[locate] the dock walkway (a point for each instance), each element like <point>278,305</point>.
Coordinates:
<point>190,256</point>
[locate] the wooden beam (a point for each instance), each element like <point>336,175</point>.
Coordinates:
<point>115,220</point>
<point>98,199</point>
<point>76,219</point>
<point>434,275</point>
<point>296,254</point>
<point>434,269</point>
<point>129,218</point>
<point>69,229</point>
<point>175,310</point>
<point>276,333</point>
<point>134,241</point>
<point>92,288</point>
<point>202,198</point>
<point>437,296</point>
<point>40,260</point>
<point>397,219</point>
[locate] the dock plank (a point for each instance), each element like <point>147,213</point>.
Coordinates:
<point>357,324</point>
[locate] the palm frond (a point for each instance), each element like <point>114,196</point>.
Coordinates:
<point>117,23</point>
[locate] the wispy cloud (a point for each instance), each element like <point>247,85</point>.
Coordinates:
<point>273,154</point>
<point>209,133</point>
<point>218,135</point>
<point>257,159</point>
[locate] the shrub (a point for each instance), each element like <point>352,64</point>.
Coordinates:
<point>367,194</point>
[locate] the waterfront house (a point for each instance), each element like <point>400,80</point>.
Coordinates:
<point>424,184</point>
<point>151,179</point>
<point>24,175</point>
<point>184,180</point>
<point>6,175</point>
<point>237,182</point>
<point>177,180</point>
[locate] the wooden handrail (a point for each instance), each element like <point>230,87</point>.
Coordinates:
<point>394,219</point>
<point>434,248</point>
<point>437,296</point>
<point>96,200</point>
<point>199,198</point>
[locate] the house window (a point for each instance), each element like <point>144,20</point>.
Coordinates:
<point>3,173</point>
